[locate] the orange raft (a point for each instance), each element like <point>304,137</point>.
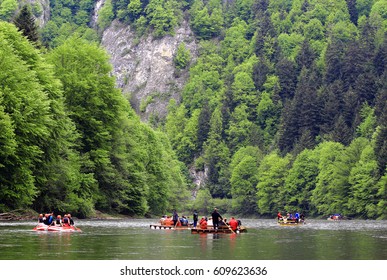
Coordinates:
<point>43,227</point>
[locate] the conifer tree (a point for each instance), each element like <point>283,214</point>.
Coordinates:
<point>353,14</point>
<point>26,23</point>
<point>381,114</point>
<point>287,72</point>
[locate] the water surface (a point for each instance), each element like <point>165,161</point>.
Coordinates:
<point>134,240</point>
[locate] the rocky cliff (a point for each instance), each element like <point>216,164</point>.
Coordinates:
<point>144,67</point>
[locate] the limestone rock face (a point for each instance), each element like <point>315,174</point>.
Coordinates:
<point>144,67</point>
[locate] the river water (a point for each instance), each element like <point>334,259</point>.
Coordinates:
<point>133,239</point>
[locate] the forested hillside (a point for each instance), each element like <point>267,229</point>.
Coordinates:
<point>69,140</point>
<point>285,109</point>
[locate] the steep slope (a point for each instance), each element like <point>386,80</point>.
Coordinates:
<point>144,67</point>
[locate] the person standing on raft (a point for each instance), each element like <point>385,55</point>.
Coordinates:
<point>216,217</point>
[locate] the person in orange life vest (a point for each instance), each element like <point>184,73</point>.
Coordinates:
<point>168,221</point>
<point>203,223</point>
<point>233,223</point>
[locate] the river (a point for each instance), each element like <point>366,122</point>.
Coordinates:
<point>133,239</point>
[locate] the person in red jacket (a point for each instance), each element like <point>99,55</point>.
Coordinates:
<point>233,224</point>
<point>203,223</point>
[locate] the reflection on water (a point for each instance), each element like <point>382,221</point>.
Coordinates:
<point>133,239</point>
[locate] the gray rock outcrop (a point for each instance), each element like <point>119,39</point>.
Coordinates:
<point>144,67</point>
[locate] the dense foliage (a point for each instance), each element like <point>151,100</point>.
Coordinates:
<point>304,83</point>
<point>71,142</point>
<point>285,109</point>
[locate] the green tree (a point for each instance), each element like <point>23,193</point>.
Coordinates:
<point>161,16</point>
<point>206,20</point>
<point>381,117</point>
<point>135,9</point>
<point>239,128</point>
<point>217,156</point>
<point>183,56</point>
<point>100,114</point>
<point>326,197</point>
<point>382,193</point>
<point>7,8</point>
<point>363,198</point>
<point>44,166</point>
<point>25,22</point>
<point>301,181</point>
<point>243,169</point>
<point>105,15</point>
<point>235,41</point>
<point>271,178</point>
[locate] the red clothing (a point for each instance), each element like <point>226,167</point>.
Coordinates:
<point>203,224</point>
<point>233,224</point>
<point>168,222</point>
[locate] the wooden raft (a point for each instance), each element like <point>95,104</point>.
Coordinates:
<point>168,227</point>
<point>219,230</point>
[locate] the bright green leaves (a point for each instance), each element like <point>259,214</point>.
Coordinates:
<point>106,14</point>
<point>183,57</point>
<point>271,178</point>
<point>7,8</point>
<point>126,158</point>
<point>25,118</point>
<point>206,20</point>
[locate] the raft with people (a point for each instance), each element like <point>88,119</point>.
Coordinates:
<point>64,228</point>
<point>217,224</point>
<point>158,226</point>
<point>172,222</point>
<point>335,217</point>
<point>220,229</point>
<point>293,222</point>
<point>48,223</point>
<point>290,219</point>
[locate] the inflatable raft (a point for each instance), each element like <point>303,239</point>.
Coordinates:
<point>43,227</point>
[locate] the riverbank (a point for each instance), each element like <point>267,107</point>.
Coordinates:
<point>29,214</point>
<point>19,215</point>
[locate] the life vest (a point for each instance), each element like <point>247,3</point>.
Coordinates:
<point>203,224</point>
<point>66,221</point>
<point>169,222</point>
<point>233,224</point>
